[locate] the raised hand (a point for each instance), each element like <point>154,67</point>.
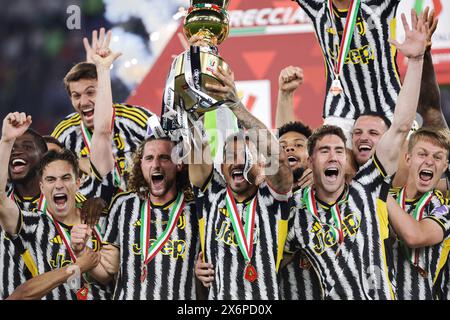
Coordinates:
<point>14,125</point>
<point>79,236</point>
<point>415,38</point>
<point>98,52</point>
<point>228,89</point>
<point>290,79</point>
<point>431,21</point>
<point>198,41</point>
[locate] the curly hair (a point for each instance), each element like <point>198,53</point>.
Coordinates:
<point>137,182</point>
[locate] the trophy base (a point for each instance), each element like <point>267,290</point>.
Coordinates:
<point>209,63</point>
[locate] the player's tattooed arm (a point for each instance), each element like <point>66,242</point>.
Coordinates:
<point>14,125</point>
<point>277,170</point>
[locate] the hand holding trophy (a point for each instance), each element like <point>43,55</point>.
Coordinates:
<point>186,97</point>
<point>206,24</point>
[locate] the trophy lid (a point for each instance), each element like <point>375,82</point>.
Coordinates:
<point>221,3</point>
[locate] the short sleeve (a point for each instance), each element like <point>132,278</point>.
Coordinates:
<point>441,215</point>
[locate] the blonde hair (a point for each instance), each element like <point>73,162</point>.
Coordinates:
<point>439,137</point>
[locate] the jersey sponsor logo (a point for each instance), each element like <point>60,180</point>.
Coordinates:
<point>174,248</point>
<point>323,235</point>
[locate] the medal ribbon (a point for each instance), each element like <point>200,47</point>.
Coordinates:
<point>347,35</point>
<point>311,207</point>
<point>65,236</point>
<point>42,204</point>
<point>244,235</point>
<point>175,211</point>
<point>87,138</point>
<point>414,254</point>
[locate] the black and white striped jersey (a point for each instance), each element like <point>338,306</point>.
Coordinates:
<point>40,236</point>
<point>413,283</point>
<point>369,77</point>
<point>130,127</point>
<point>13,271</point>
<point>20,262</point>
<point>298,280</point>
<point>221,244</point>
<point>361,267</point>
<point>170,275</point>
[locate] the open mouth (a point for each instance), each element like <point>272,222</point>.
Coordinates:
<point>88,113</point>
<point>331,173</point>
<point>292,161</point>
<point>157,178</point>
<point>60,200</point>
<point>426,175</point>
<point>364,148</point>
<point>237,175</point>
<point>18,165</point>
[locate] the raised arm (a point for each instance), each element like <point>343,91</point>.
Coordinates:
<point>415,234</point>
<point>288,82</point>
<point>430,100</point>
<point>413,48</point>
<point>200,163</point>
<point>101,149</point>
<point>14,125</point>
<point>39,286</point>
<point>280,178</point>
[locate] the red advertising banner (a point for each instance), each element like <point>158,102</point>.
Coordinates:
<point>265,37</point>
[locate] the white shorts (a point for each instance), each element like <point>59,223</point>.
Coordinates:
<point>345,124</point>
